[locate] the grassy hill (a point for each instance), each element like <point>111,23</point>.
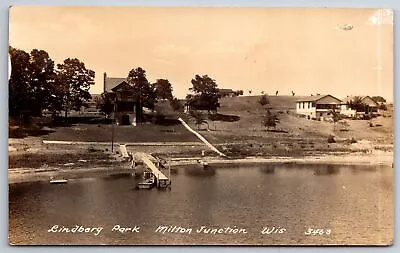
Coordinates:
<point>295,135</point>
<point>250,103</point>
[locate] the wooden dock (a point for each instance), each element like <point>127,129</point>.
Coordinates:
<point>162,181</point>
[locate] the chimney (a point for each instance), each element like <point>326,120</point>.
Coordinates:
<point>104,83</point>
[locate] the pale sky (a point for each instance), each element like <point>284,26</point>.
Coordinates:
<point>262,49</point>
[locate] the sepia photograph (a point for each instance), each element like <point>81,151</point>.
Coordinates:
<point>200,126</point>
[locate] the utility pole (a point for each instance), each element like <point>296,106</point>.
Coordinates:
<point>112,131</point>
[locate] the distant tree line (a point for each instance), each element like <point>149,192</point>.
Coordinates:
<point>36,85</point>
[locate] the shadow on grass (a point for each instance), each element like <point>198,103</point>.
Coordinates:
<point>22,132</point>
<point>223,117</point>
<point>277,131</point>
<point>69,121</point>
<point>167,122</point>
<point>40,126</point>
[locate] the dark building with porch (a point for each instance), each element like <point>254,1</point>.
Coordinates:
<point>125,106</point>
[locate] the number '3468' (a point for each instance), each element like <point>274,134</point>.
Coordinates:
<point>317,231</point>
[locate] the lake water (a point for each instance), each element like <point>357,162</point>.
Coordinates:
<point>350,204</point>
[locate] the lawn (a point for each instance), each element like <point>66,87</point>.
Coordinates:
<point>90,157</point>
<point>140,133</point>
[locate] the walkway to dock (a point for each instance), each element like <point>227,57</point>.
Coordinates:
<point>201,138</point>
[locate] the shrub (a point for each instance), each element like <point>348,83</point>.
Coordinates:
<point>158,118</point>
<point>270,120</point>
<point>382,107</point>
<point>263,100</point>
<point>331,139</point>
<point>91,149</point>
<point>176,105</point>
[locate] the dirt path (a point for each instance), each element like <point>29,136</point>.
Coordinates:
<point>201,138</point>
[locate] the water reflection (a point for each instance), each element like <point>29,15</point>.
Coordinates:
<point>363,169</point>
<point>314,169</point>
<point>268,169</point>
<point>326,170</point>
<point>352,201</point>
<point>120,175</point>
<point>199,171</point>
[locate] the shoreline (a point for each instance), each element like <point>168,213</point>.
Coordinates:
<point>24,175</point>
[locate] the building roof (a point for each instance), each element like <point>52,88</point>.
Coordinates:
<point>348,99</point>
<point>379,99</point>
<point>112,82</point>
<point>314,98</point>
<point>122,86</point>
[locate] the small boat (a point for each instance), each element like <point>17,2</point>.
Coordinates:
<point>203,163</point>
<point>146,184</point>
<point>58,181</point>
<point>148,181</point>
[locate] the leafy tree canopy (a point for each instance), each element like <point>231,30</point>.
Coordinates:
<point>143,92</point>
<point>105,103</point>
<point>206,93</point>
<point>270,120</point>
<point>357,104</point>
<point>73,83</point>
<point>163,89</point>
<point>19,83</point>
<point>41,81</point>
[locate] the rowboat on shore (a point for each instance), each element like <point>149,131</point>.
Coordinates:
<point>58,181</point>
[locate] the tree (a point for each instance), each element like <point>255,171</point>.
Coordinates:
<point>270,120</point>
<point>335,116</point>
<point>238,92</point>
<point>42,78</point>
<point>144,93</point>
<point>382,107</point>
<point>73,82</point>
<point>163,89</point>
<point>357,104</point>
<point>106,104</point>
<point>263,100</point>
<point>206,94</point>
<point>199,118</point>
<point>19,83</point>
